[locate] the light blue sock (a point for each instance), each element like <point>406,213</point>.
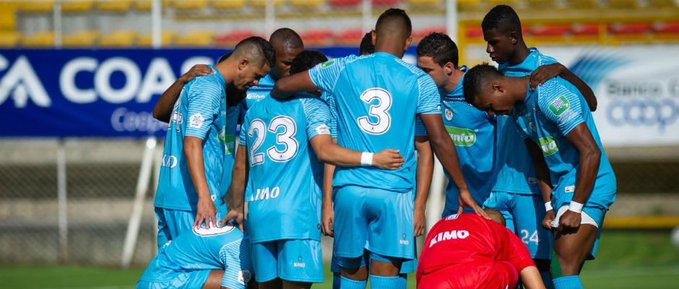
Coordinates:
<point>404,278</point>
<point>568,282</point>
<point>346,283</point>
<point>547,279</point>
<point>336,281</point>
<point>387,282</point>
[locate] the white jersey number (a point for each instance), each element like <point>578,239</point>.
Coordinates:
<point>283,138</point>
<point>379,111</point>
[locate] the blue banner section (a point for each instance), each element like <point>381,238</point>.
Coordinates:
<point>93,93</point>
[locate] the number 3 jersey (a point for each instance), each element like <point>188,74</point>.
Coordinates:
<point>376,99</point>
<point>285,177</point>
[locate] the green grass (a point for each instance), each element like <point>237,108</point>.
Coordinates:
<point>625,260</point>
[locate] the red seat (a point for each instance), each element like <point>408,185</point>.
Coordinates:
<point>672,27</point>
<point>344,3</point>
<point>549,30</point>
<point>418,35</point>
<point>318,37</point>
<point>386,2</point>
<point>350,37</point>
<point>230,39</point>
<point>585,30</point>
<point>630,28</point>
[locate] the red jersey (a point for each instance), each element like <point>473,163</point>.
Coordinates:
<point>467,251</point>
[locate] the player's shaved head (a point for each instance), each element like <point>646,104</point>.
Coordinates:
<point>495,216</point>
<point>306,60</point>
<point>286,38</point>
<point>256,50</point>
<point>502,18</point>
<point>393,23</point>
<point>476,79</point>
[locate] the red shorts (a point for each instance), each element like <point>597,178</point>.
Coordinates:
<point>498,275</point>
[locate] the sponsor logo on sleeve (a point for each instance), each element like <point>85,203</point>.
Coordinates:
<point>559,105</point>
<point>196,120</point>
<point>322,129</point>
<point>244,277</point>
<point>327,63</point>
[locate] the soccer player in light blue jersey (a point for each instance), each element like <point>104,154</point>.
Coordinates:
<point>571,164</point>
<point>195,154</point>
<point>200,258</point>
<point>284,179</point>
<point>471,130</point>
<point>287,44</point>
<point>377,98</point>
<point>515,192</point>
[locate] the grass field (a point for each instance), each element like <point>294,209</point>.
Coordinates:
<point>640,259</point>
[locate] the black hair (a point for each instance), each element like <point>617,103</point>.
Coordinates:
<point>367,46</point>
<point>306,60</point>
<point>439,47</point>
<point>224,57</point>
<point>257,47</point>
<point>502,18</point>
<point>476,78</point>
<point>393,16</point>
<point>286,38</point>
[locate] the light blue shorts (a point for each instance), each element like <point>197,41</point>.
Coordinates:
<point>291,260</point>
<point>523,215</point>
<point>378,220</point>
<point>183,280</point>
<point>591,214</point>
<point>171,223</point>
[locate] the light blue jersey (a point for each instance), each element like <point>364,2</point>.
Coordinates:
<point>259,92</point>
<point>474,136</point>
<point>189,258</point>
<point>546,116</point>
<point>515,169</point>
<point>285,176</point>
<point>200,112</point>
<point>377,97</point>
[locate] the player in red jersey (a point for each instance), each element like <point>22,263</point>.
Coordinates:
<point>467,251</point>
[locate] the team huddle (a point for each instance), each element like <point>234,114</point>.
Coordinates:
<point>344,147</point>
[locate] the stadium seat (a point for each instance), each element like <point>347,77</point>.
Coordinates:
<point>76,6</point>
<point>541,3</point>
<point>40,39</point>
<point>629,4</point>
<point>227,4</point>
<point>194,39</point>
<point>468,4</point>
<point>118,39</point>
<point>80,39</point>
<point>232,38</point>
<point>45,6</point>
<point>306,4</point>
<point>666,31</point>
<point>474,34</point>
<point>388,3</point>
<point>318,37</point>
<point>262,3</point>
<point>661,3</point>
<point>418,35</point>
<point>351,37</point>
<point>114,5</point>
<point>9,39</point>
<point>630,32</point>
<point>344,3</point>
<point>7,20</point>
<point>583,4</point>
<point>424,2</point>
<point>189,4</point>
<point>586,33</point>
<point>553,34</point>
<point>146,40</point>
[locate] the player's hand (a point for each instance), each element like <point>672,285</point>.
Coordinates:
<point>548,219</point>
<point>544,73</point>
<point>328,220</point>
<point>389,159</point>
<point>465,199</point>
<point>569,222</point>
<point>418,221</point>
<point>206,213</point>
<point>234,216</point>
<point>196,70</point>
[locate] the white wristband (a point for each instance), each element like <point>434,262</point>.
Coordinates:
<point>548,206</point>
<point>366,159</point>
<point>575,207</point>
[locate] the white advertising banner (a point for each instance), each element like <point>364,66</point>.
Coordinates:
<point>637,89</point>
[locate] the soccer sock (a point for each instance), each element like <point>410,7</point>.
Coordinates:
<point>336,281</point>
<point>347,283</point>
<point>547,279</point>
<point>387,282</point>
<point>568,282</point>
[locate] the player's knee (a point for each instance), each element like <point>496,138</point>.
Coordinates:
<point>360,273</point>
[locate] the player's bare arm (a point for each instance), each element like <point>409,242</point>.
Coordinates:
<point>530,277</point>
<point>205,209</point>
<point>162,111</point>
<point>327,213</point>
<point>546,72</point>
<point>239,177</point>
<point>327,151</point>
<point>425,170</point>
<point>445,151</point>
<point>544,182</point>
<point>589,158</point>
<point>297,82</point>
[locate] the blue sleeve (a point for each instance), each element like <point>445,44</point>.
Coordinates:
<point>545,60</point>
<point>420,130</point>
<point>561,106</point>
<point>325,75</point>
<point>428,98</point>
<point>318,117</point>
<point>244,130</point>
<point>203,105</point>
<point>327,97</point>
